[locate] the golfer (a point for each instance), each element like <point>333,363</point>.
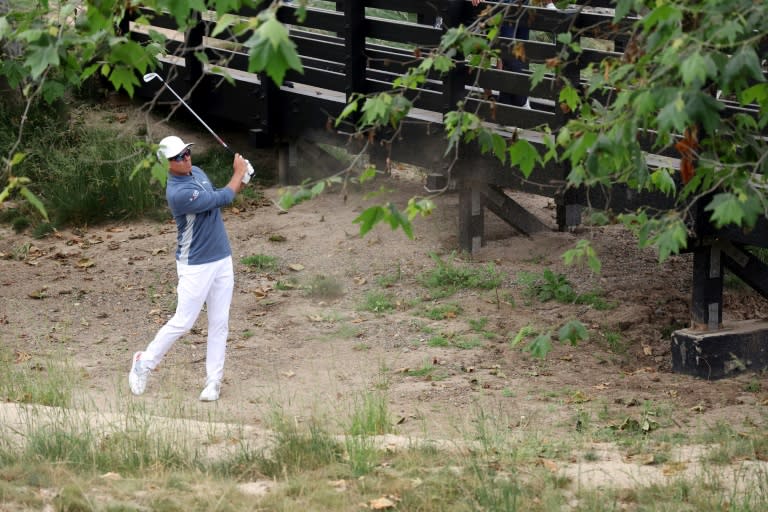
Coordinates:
<point>203,265</point>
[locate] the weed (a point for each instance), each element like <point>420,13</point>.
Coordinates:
<point>324,287</point>
<point>442,311</point>
<point>438,341</point>
<point>49,382</point>
<point>289,284</point>
<point>378,302</point>
<point>549,285</point>
<point>370,416</point>
<point>446,279</point>
<point>295,451</point>
<point>478,325</point>
<point>260,262</point>
<point>468,343</point>
<point>615,341</point>
<point>388,280</point>
<point>427,371</point>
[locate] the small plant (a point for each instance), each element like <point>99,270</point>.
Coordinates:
<point>260,262</point>
<point>753,386</point>
<point>547,286</point>
<point>446,279</point>
<point>324,287</point>
<point>284,285</point>
<point>378,302</point>
<point>388,280</point>
<point>478,325</point>
<point>438,341</point>
<point>427,371</point>
<point>370,416</point>
<point>443,311</point>
<point>21,223</point>
<point>295,451</point>
<point>615,341</point>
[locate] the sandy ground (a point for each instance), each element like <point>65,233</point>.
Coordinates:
<point>95,295</point>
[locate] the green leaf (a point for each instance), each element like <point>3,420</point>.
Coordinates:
<point>223,23</point>
<point>570,96</point>
<point>41,58</point>
<point>696,69</point>
<point>524,155</point>
<point>123,77</point>
<point>741,68</point>
<point>368,174</point>
<point>17,158</point>
<point>369,218</point>
<point>573,332</point>
<point>662,180</point>
<point>34,201</point>
<point>541,346</point>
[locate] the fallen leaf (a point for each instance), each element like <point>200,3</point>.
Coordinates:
<point>579,397</point>
<point>647,350</point>
<point>550,465</point>
<point>315,318</point>
<point>381,504</point>
<point>39,294</point>
<point>673,467</point>
<point>86,263</point>
<point>643,458</point>
<point>296,267</point>
<point>160,250</point>
<point>288,374</point>
<point>360,280</point>
<point>22,356</point>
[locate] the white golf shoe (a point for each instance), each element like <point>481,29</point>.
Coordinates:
<point>211,391</point>
<point>137,378</point>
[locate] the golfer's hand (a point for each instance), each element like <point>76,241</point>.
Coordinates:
<point>475,2</point>
<point>239,168</point>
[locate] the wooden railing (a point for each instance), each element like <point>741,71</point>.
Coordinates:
<point>346,49</point>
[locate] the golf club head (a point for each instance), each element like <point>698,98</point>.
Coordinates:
<point>151,76</point>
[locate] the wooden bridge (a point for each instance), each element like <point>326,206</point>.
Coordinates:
<point>345,49</point>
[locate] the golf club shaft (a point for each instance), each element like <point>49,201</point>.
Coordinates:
<point>249,172</point>
<point>218,139</point>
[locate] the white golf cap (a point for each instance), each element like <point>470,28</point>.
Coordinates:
<point>172,146</point>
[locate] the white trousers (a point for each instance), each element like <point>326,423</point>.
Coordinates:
<point>212,284</point>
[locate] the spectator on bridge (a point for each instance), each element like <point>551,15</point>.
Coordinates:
<point>517,29</point>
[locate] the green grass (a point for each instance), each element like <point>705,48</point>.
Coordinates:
<point>44,381</point>
<point>261,262</point>
<point>378,302</point>
<point>551,286</point>
<point>446,278</point>
<point>324,287</point>
<point>486,468</point>
<point>441,311</point>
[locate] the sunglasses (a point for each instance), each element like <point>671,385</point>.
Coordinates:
<point>181,156</point>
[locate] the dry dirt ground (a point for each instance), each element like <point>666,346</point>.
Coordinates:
<point>94,295</point>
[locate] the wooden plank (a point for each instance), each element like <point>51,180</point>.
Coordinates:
<point>508,210</point>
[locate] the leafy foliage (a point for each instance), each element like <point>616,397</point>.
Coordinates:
<point>49,49</point>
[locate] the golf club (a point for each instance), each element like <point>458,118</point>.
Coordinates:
<point>151,76</point>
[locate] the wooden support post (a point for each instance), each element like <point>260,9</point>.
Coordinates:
<point>471,219</point>
<point>707,288</point>
<point>194,43</point>
<point>354,45</point>
<point>198,92</point>
<point>455,81</point>
<point>286,164</point>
